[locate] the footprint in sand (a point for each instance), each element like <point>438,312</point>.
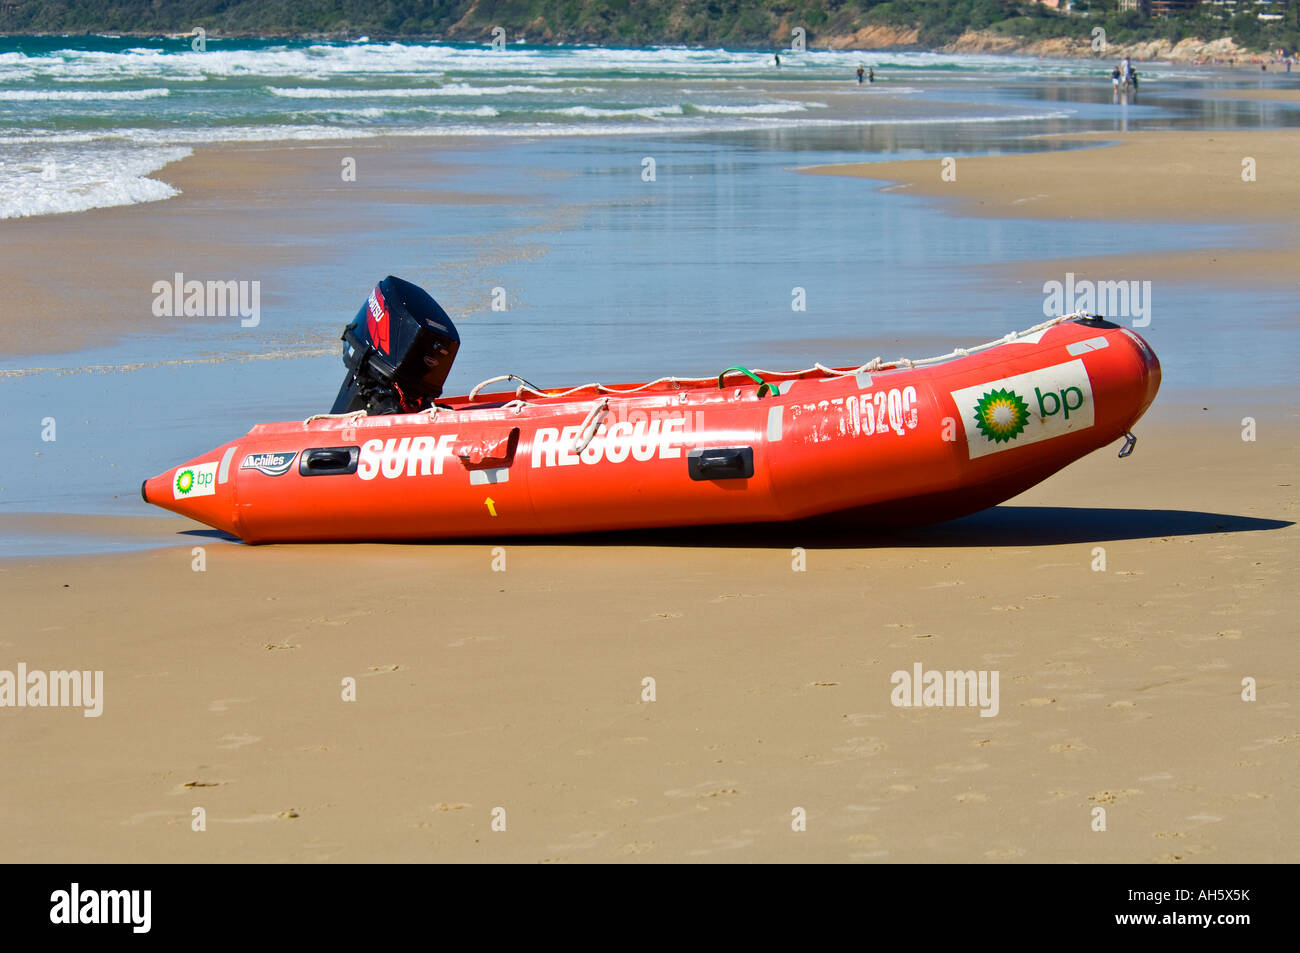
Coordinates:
<point>223,704</point>
<point>1037,702</point>
<point>635,847</point>
<point>854,749</point>
<point>1069,747</point>
<point>706,789</point>
<point>1004,853</point>
<point>1110,797</point>
<point>189,786</point>
<point>238,741</point>
<point>171,816</point>
<point>380,670</point>
<point>583,840</point>
<point>724,843</point>
<point>971,797</point>
<point>459,643</point>
<point>964,768</point>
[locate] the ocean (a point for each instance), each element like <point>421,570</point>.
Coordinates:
<point>85,120</point>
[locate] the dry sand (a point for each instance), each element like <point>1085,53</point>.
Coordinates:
<point>478,689</point>
<point>1280,95</point>
<point>1148,176</point>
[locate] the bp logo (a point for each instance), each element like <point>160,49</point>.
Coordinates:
<point>1001,414</point>
<point>198,480</point>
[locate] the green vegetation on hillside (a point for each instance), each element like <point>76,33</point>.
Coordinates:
<point>736,23</point>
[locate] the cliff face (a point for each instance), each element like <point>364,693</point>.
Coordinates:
<point>876,38</point>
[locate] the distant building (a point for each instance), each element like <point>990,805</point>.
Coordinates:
<point>1162,8</point>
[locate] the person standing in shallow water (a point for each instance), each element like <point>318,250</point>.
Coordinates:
<point>861,73</point>
<point>871,75</point>
<point>777,58</point>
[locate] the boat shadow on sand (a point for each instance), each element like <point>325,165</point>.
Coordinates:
<point>997,526</point>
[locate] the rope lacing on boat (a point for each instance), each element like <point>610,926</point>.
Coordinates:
<point>875,364</point>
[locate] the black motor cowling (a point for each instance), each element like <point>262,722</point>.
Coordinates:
<point>398,351</point>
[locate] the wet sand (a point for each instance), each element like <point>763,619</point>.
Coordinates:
<point>243,210</point>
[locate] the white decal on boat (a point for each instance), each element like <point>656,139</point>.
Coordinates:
<point>193,481</point>
<point>883,412</point>
<point>624,440</point>
<point>1015,411</point>
<point>409,456</point>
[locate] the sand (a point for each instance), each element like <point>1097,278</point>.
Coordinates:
<point>1280,95</point>
<point>518,695</point>
<point>243,210</point>
<point>521,689</point>
<point>1147,176</point>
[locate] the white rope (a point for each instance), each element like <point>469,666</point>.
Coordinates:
<point>505,377</point>
<point>590,425</point>
<point>875,364</point>
<point>351,413</point>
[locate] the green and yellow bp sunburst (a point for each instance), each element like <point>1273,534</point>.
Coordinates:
<point>185,481</point>
<point>1001,415</point>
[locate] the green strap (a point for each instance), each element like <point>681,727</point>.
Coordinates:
<point>764,388</point>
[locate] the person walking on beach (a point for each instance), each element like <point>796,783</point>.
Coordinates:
<point>1114,81</point>
<point>871,75</point>
<point>861,73</point>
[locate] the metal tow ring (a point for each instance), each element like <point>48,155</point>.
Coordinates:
<point>1130,442</point>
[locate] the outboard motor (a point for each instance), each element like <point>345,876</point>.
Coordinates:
<point>398,351</point>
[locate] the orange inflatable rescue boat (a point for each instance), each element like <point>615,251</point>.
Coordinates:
<point>896,442</point>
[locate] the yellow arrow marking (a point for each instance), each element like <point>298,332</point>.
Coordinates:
<point>491,505</point>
